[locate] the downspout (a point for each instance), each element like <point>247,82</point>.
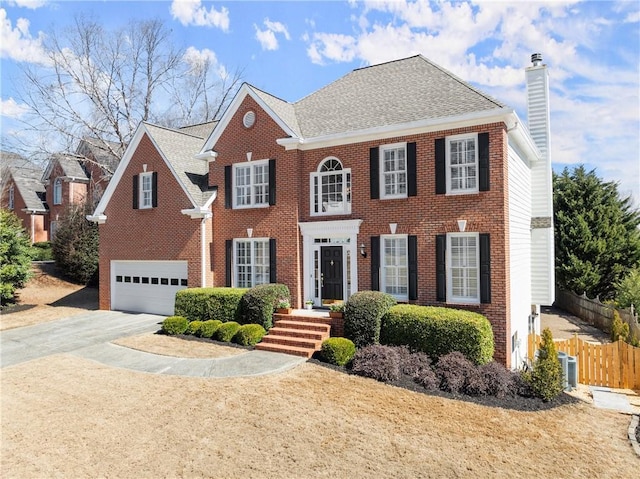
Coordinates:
<point>203,234</point>
<point>33,229</point>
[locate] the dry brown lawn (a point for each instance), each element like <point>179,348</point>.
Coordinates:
<point>68,417</point>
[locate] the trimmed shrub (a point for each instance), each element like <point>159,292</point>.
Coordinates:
<point>226,331</point>
<point>378,362</point>
<point>338,351</point>
<point>363,316</point>
<point>208,328</point>
<point>193,327</point>
<point>418,367</point>
<point>174,325</point>
<point>546,377</point>
<point>258,303</point>
<point>249,335</point>
<point>202,304</point>
<point>41,251</point>
<point>619,329</point>
<point>499,381</point>
<point>15,262</point>
<point>452,370</point>
<point>427,378</point>
<point>438,331</point>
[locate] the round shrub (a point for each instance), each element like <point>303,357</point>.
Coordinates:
<point>208,328</point>
<point>438,331</point>
<point>338,351</point>
<point>363,316</point>
<point>249,335</point>
<point>378,362</point>
<point>452,370</point>
<point>174,325</point>
<point>500,382</point>
<point>226,331</point>
<point>193,327</point>
<point>258,303</point>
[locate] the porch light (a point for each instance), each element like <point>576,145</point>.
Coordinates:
<point>363,251</point>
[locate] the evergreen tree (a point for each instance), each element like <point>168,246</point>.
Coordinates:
<point>597,240</point>
<point>546,377</point>
<point>15,260</point>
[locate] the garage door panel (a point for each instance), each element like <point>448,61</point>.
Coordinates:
<point>147,286</point>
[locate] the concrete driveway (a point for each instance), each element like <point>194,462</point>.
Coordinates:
<point>90,336</point>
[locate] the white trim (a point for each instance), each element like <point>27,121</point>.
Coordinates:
<point>462,299</point>
<point>100,219</point>
<point>252,166</point>
<point>12,197</point>
<point>381,176</point>
<point>234,261</point>
<point>141,191</point>
<point>57,185</point>
<point>383,286</point>
<point>448,140</point>
<point>317,174</point>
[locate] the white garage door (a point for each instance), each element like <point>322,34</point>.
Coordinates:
<point>147,286</point>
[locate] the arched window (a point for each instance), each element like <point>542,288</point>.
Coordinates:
<point>57,191</point>
<point>331,189</point>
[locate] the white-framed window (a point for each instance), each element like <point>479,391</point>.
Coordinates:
<point>251,262</point>
<point>462,163</point>
<point>146,190</point>
<point>251,184</point>
<point>57,191</point>
<point>393,171</point>
<point>331,189</point>
<point>463,268</point>
<point>394,266</point>
<point>11,197</point>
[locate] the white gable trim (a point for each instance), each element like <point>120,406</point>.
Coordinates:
<point>245,90</point>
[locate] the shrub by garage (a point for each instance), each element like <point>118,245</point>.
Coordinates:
<point>203,304</point>
<point>439,331</point>
<point>249,335</point>
<point>363,316</point>
<point>258,303</point>
<point>174,325</point>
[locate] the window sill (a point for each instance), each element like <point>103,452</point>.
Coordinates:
<point>250,207</point>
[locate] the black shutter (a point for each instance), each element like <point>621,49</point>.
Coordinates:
<point>375,263</point>
<point>374,173</point>
<point>154,189</point>
<point>485,268</point>
<point>413,266</point>
<point>272,261</point>
<point>441,268</point>
<point>228,257</point>
<point>228,193</point>
<point>135,191</point>
<point>483,161</point>
<point>412,183</point>
<point>272,182</point>
<point>441,166</point>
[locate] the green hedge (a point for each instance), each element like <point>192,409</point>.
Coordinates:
<point>202,304</point>
<point>363,316</point>
<point>174,325</point>
<point>208,328</point>
<point>338,351</point>
<point>249,335</point>
<point>193,327</point>
<point>258,303</point>
<point>439,331</point>
<point>226,331</point>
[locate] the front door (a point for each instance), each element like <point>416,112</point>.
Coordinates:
<point>332,275</point>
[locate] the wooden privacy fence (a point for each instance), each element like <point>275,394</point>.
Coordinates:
<point>614,365</point>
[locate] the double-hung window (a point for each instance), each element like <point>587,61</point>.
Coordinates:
<point>57,191</point>
<point>463,268</point>
<point>146,190</point>
<point>395,266</point>
<point>393,171</point>
<point>251,184</point>
<point>251,262</point>
<point>331,189</point>
<point>462,164</point>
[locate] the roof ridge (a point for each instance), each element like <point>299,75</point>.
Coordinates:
<point>173,130</point>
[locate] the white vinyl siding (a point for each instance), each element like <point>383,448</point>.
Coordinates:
<point>331,189</point>
<point>462,164</point>
<point>393,171</point>
<point>463,268</point>
<point>395,266</point>
<point>250,262</point>
<point>251,184</point>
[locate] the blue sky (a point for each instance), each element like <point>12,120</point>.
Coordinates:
<point>290,49</point>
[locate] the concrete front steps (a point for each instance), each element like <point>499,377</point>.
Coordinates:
<point>300,333</point>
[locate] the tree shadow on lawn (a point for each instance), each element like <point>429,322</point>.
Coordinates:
<point>516,403</point>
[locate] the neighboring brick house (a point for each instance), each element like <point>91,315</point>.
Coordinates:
<point>398,177</point>
<point>24,195</point>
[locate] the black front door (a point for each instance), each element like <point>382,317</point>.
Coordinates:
<point>332,283</point>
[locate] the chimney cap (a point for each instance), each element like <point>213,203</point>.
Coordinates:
<point>536,59</point>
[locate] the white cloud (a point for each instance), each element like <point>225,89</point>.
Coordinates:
<point>17,43</point>
<point>267,37</point>
<point>199,60</point>
<point>191,12</point>
<point>12,109</point>
<point>32,4</point>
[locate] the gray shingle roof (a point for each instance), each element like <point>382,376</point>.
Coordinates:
<point>179,149</point>
<point>71,166</point>
<point>285,111</point>
<point>29,184</point>
<point>391,93</point>
<point>202,130</point>
<point>100,151</point>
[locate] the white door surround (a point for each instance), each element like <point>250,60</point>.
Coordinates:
<point>329,233</point>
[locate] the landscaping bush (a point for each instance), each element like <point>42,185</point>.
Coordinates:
<point>226,331</point>
<point>378,362</point>
<point>174,325</point>
<point>438,331</point>
<point>258,303</point>
<point>208,328</point>
<point>338,351</point>
<point>15,262</point>
<point>453,370</point>
<point>499,381</point>
<point>41,251</point>
<point>619,329</point>
<point>363,316</point>
<point>546,377</point>
<point>202,304</point>
<point>193,327</point>
<point>249,334</point>
<point>418,366</point>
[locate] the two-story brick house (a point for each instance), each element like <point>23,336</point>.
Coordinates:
<point>398,177</point>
